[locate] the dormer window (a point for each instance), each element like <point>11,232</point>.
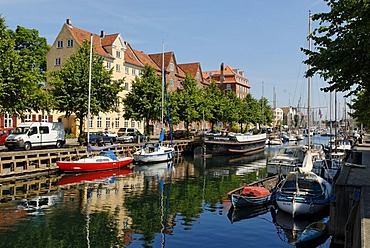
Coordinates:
<point>60,44</point>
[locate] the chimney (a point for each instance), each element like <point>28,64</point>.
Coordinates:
<point>102,34</point>
<point>69,22</point>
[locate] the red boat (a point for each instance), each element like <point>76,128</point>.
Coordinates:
<point>106,160</point>
<point>92,176</point>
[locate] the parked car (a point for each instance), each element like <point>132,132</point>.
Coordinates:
<point>125,130</point>
<point>100,138</point>
<point>4,133</point>
<point>110,134</point>
<point>130,137</point>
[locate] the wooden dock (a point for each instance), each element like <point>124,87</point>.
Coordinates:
<point>18,163</point>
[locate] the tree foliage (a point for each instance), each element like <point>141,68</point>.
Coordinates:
<point>22,71</point>
<point>186,102</point>
<point>144,101</point>
<point>70,85</point>
<point>342,55</point>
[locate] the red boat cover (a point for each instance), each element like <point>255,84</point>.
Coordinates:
<point>255,191</point>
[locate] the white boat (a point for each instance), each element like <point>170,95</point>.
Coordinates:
<point>155,152</point>
<point>286,160</point>
<point>303,192</point>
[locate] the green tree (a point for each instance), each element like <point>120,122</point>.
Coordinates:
<point>216,104</point>
<point>70,85</point>
<point>342,54</point>
<point>234,111</point>
<point>144,101</point>
<point>185,102</point>
<point>362,110</point>
<point>22,71</point>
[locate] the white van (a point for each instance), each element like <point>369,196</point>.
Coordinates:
<point>36,134</point>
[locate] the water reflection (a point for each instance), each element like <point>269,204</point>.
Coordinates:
<point>150,206</point>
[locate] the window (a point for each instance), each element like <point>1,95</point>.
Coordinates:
<point>8,121</point>
<point>172,83</point>
<point>60,44</point>
<point>57,61</point>
<point>132,123</point>
<point>198,75</point>
<point>91,122</point>
<point>44,118</point>
<point>28,117</point>
<point>172,67</point>
<point>107,122</point>
<point>109,65</point>
<point>118,54</point>
<point>139,124</point>
<point>118,67</point>
<point>228,86</point>
<point>133,71</point>
<point>126,70</point>
<point>44,130</point>
<point>125,124</point>
<point>69,43</point>
<point>126,86</point>
<point>116,122</point>
<point>98,122</point>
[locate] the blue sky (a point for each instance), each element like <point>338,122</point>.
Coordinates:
<point>260,37</point>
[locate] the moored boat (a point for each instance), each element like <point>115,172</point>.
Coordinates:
<point>152,152</point>
<point>303,193</point>
<point>231,143</point>
<point>106,160</point>
<point>254,194</point>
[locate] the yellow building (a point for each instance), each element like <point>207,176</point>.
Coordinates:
<point>112,48</point>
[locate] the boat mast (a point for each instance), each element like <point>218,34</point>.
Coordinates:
<point>89,98</point>
<point>162,84</point>
<point>309,85</point>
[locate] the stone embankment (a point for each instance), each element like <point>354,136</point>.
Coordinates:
<point>350,211</point>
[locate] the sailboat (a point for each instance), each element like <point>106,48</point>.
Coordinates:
<point>303,191</point>
<point>106,160</point>
<point>156,152</point>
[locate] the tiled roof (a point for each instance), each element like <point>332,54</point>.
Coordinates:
<point>109,39</point>
<point>81,35</point>
<point>130,56</point>
<point>157,58</point>
<point>191,68</point>
<point>145,59</point>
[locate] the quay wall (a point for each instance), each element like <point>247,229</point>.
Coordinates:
<point>18,163</point>
<point>350,211</point>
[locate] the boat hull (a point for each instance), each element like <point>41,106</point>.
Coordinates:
<point>229,145</point>
<point>241,201</point>
<point>89,166</point>
<point>299,208</point>
<point>153,158</point>
<point>238,199</point>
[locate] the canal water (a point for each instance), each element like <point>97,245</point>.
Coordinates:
<point>180,204</point>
